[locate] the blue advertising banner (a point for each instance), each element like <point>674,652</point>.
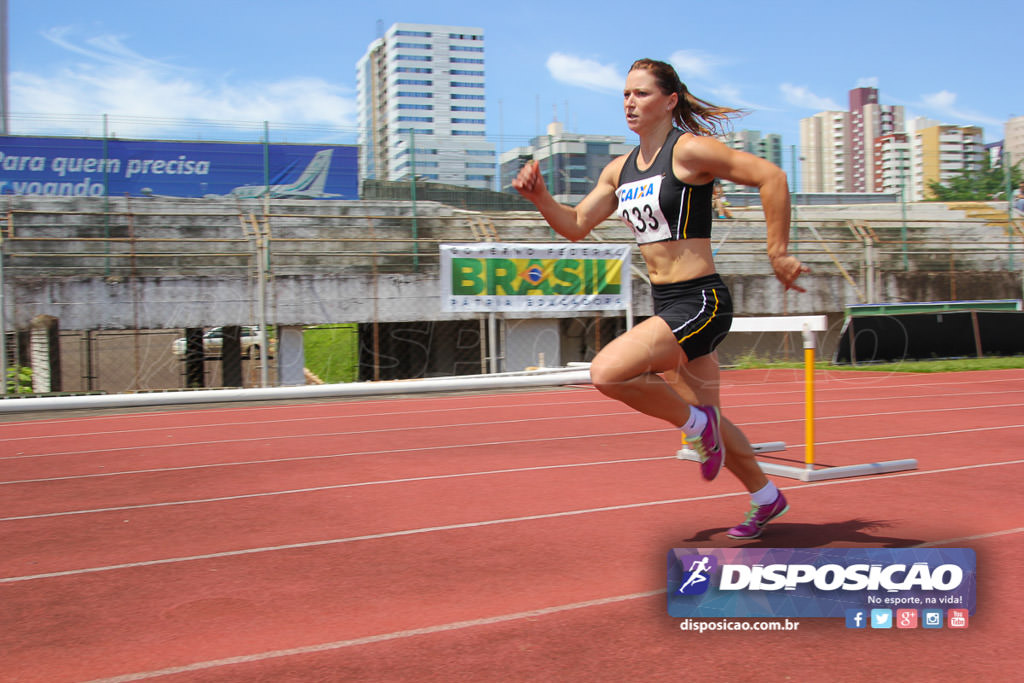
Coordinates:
<point>818,582</point>
<point>94,167</point>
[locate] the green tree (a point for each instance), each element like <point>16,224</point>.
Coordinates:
<point>984,184</point>
<point>19,380</point>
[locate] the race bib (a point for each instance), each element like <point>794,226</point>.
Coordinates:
<point>640,210</point>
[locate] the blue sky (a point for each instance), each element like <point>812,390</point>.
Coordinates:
<point>294,62</point>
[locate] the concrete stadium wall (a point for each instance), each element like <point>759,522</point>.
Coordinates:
<point>349,261</point>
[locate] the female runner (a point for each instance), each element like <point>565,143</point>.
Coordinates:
<point>666,366</point>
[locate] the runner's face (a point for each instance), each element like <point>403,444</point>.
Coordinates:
<point>643,102</point>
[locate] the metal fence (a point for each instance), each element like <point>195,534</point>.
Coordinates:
<point>374,260</point>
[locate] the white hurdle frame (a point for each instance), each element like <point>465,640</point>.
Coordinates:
<point>808,325</point>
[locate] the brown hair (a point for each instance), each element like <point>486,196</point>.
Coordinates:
<point>692,114</point>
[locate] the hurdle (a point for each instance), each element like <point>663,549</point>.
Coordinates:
<point>808,325</point>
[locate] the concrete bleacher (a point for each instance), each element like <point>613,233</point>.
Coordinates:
<point>188,260</point>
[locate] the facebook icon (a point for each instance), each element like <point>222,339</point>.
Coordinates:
<point>856,618</point>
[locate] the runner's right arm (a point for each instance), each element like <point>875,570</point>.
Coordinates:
<point>573,223</point>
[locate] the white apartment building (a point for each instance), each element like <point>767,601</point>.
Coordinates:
<point>425,82</point>
<point>825,153</point>
<point>878,120</point>
<point>893,165</point>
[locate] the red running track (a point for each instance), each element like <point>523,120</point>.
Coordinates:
<point>517,536</point>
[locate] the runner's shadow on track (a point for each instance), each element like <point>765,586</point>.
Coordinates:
<point>781,534</point>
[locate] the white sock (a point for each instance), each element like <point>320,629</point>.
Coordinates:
<point>766,495</point>
<point>695,425</point>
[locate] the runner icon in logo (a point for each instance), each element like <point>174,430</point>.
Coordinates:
<point>697,576</point>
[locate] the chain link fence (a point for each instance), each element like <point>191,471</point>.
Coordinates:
<point>354,283</point>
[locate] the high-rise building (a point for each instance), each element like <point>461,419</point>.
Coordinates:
<point>879,120</point>
<point>425,83</point>
<point>1013,141</point>
<point>869,120</point>
<point>893,163</point>
<point>859,143</point>
<point>850,164</point>
<point>942,152</point>
<point>768,147</point>
<point>570,163</point>
<point>824,152</point>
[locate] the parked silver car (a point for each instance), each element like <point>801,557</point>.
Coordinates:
<point>213,343</point>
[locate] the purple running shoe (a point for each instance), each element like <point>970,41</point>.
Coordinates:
<point>708,444</point>
<point>758,517</point>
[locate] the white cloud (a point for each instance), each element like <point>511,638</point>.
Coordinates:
<point>693,64</point>
<point>585,73</point>
<point>942,100</point>
<point>944,104</point>
<point>107,77</point>
<point>800,96</point>
<point>732,96</point>
<point>868,82</point>
<point>103,48</point>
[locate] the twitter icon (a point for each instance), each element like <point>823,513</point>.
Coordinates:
<point>881,618</point>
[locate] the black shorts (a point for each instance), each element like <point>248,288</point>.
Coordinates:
<point>698,311</point>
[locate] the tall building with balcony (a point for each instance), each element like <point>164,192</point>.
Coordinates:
<point>869,120</point>
<point>942,152</point>
<point>768,147</point>
<point>879,120</point>
<point>425,83</point>
<point>825,152</point>
<point>860,143</point>
<point>893,165</point>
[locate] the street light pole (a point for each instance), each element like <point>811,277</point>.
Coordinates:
<point>4,101</point>
<point>903,210</point>
<point>3,328</point>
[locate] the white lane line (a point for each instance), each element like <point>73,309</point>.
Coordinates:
<point>329,456</point>
<point>367,640</point>
<point>171,428</point>
<point>485,523</point>
<point>330,487</point>
<point>287,420</point>
<point>302,406</point>
<point>976,537</point>
<point>947,432</point>
<point>845,380</point>
<point>441,628</point>
<point>307,435</point>
<point>728,408</point>
<point>365,537</point>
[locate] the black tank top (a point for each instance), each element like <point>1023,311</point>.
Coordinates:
<point>659,207</point>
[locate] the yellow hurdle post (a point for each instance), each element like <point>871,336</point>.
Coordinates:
<point>809,347</point>
<point>809,325</point>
